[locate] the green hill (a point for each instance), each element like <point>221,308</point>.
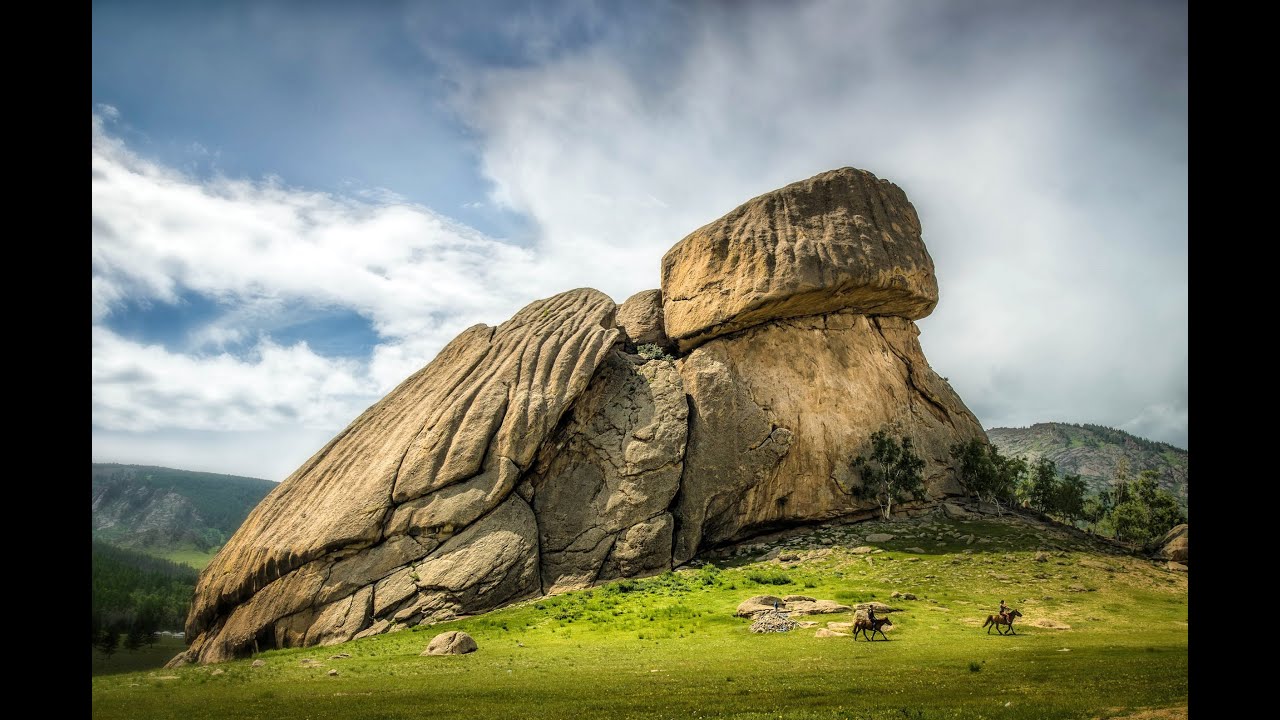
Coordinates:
<point>179,514</point>
<point>1094,452</point>
<point>1103,635</point>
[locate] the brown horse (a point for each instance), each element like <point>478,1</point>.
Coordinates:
<point>994,621</point>
<point>862,624</point>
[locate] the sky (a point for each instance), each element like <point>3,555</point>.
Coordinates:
<point>296,205</point>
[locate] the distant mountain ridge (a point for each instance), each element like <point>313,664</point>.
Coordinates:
<point>158,508</point>
<point>1094,452</point>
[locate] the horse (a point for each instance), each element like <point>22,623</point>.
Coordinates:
<point>993,621</point>
<point>862,624</point>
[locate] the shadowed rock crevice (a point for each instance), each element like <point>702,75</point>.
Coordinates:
<point>556,451</point>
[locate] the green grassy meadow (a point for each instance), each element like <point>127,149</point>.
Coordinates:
<point>190,557</point>
<point>670,647</point>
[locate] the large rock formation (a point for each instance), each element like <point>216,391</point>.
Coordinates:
<point>540,455</point>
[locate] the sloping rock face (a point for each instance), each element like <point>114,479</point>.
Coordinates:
<point>779,411</point>
<point>1173,545</point>
<point>843,239</point>
<point>383,500</point>
<point>542,455</point>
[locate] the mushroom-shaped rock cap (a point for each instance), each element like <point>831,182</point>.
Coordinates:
<point>841,240</point>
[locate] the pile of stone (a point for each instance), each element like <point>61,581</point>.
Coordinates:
<point>773,621</point>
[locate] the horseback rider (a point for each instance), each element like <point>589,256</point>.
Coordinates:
<point>871,614</point>
<point>1004,611</point>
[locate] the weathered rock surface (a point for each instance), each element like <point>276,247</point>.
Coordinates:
<point>436,454</point>
<point>454,642</point>
<point>640,319</point>
<point>758,604</point>
<point>1173,545</point>
<point>816,607</point>
<point>778,411</point>
<point>825,633</point>
<point>841,240</point>
<point>602,487</point>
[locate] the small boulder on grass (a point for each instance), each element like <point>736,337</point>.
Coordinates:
<point>454,642</point>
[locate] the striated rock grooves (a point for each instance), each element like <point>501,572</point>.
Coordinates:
<point>441,450</point>
<point>843,239</point>
<point>778,411</point>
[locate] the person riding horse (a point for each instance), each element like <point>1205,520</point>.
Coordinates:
<point>1004,611</point>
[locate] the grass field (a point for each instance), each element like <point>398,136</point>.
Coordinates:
<point>670,647</point>
<point>197,559</point>
<point>148,657</point>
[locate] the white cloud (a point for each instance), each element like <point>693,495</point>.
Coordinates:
<point>259,249</point>
<point>1051,182</point>
<point>139,387</point>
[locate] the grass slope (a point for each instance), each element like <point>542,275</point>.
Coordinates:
<point>669,646</point>
<point>1094,451</point>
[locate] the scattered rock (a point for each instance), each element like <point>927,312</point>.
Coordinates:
<point>917,550</point>
<point>862,550</point>
<point>838,626</point>
<point>332,672</point>
<point>908,596</point>
<point>1176,566</point>
<point>1077,588</point>
<point>817,607</point>
<point>309,662</point>
<point>793,598</point>
<point>340,656</point>
<point>454,642</point>
<point>788,557</point>
<point>760,603</point>
<point>879,537</point>
<point>952,510</point>
<point>806,623</point>
<point>1042,557</point>
<point>257,663</point>
<point>219,671</point>
<point>825,633</point>
<point>772,621</point>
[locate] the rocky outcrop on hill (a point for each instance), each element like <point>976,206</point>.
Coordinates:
<point>541,455</point>
<point>1173,545</point>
